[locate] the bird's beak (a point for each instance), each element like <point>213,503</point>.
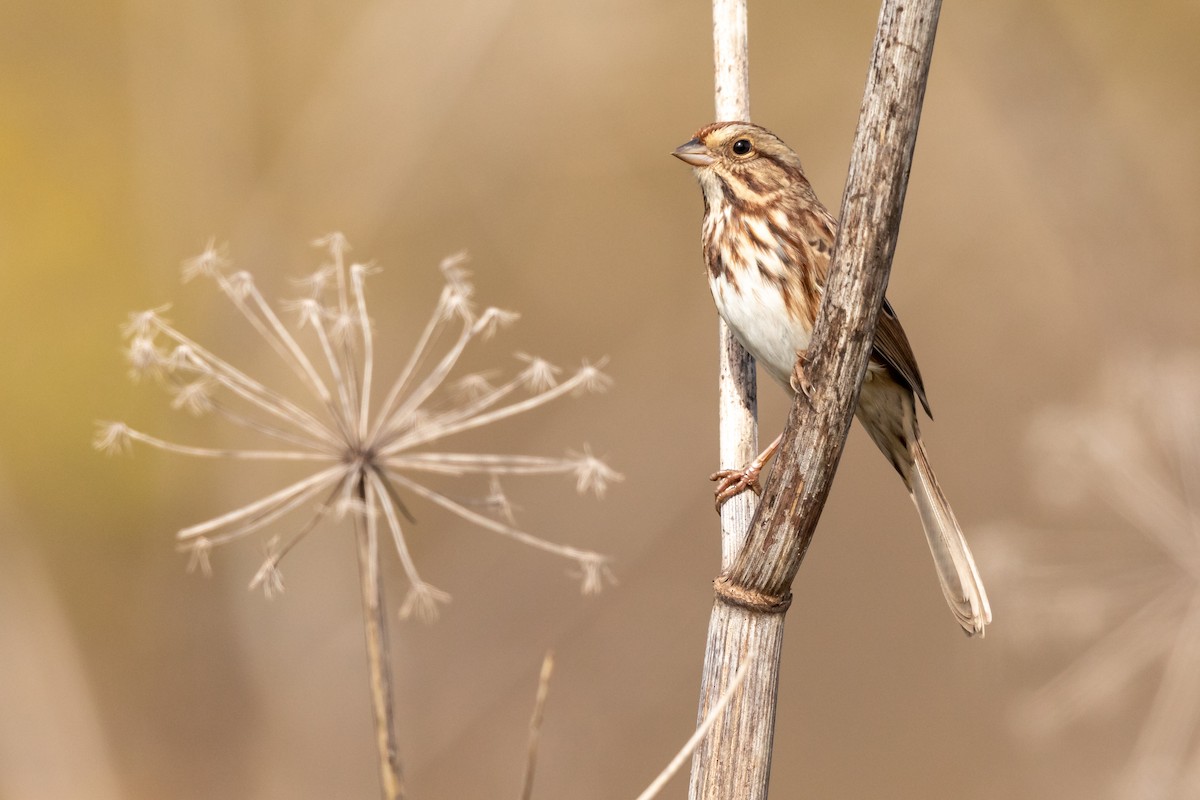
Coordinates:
<point>694,152</point>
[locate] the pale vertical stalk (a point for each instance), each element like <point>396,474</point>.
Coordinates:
<point>733,762</point>
<point>378,655</point>
<point>737,396</point>
<point>735,632</point>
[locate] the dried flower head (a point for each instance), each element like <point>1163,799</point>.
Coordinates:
<point>1131,453</point>
<point>366,453</point>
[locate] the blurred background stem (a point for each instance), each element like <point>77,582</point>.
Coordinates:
<point>378,654</point>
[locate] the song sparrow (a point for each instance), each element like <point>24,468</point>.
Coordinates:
<point>767,243</point>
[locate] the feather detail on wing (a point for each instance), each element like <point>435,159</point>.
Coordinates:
<point>891,343</point>
<point>891,347</point>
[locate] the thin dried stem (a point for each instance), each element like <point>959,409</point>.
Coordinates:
<point>566,551</point>
<point>382,494</point>
<point>236,455</point>
<point>535,724</point>
<point>419,353</point>
<point>436,430</point>
<point>698,735</point>
<point>246,387</point>
<point>303,488</point>
<point>432,381</point>
<point>375,626</point>
<point>358,275</point>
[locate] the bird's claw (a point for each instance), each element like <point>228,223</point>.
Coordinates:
<point>732,482</point>
<point>799,381</point>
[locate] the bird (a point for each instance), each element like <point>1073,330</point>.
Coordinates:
<point>767,242</point>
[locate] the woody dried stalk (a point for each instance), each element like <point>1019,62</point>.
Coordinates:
<point>754,589</point>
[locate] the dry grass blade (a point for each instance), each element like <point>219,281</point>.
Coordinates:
<point>701,731</point>
<point>535,724</point>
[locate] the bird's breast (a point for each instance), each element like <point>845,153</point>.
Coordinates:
<point>753,305</point>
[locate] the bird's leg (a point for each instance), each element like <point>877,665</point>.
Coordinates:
<point>732,482</point>
<point>799,381</point>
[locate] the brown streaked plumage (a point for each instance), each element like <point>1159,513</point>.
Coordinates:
<point>767,243</point>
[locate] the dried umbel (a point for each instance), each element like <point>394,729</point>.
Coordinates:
<point>1110,594</point>
<point>367,452</point>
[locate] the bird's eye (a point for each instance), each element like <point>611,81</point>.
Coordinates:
<point>742,147</point>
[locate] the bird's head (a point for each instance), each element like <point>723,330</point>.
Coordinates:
<point>741,158</point>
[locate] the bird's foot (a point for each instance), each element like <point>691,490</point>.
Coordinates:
<point>732,482</point>
<point>799,380</point>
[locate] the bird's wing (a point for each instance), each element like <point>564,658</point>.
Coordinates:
<point>891,346</point>
<point>891,343</point>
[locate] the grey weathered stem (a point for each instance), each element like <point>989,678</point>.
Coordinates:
<point>755,590</point>
<point>378,654</point>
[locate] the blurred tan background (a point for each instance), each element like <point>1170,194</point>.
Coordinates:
<point>1050,224</point>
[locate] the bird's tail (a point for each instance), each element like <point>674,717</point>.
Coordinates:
<point>955,567</point>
